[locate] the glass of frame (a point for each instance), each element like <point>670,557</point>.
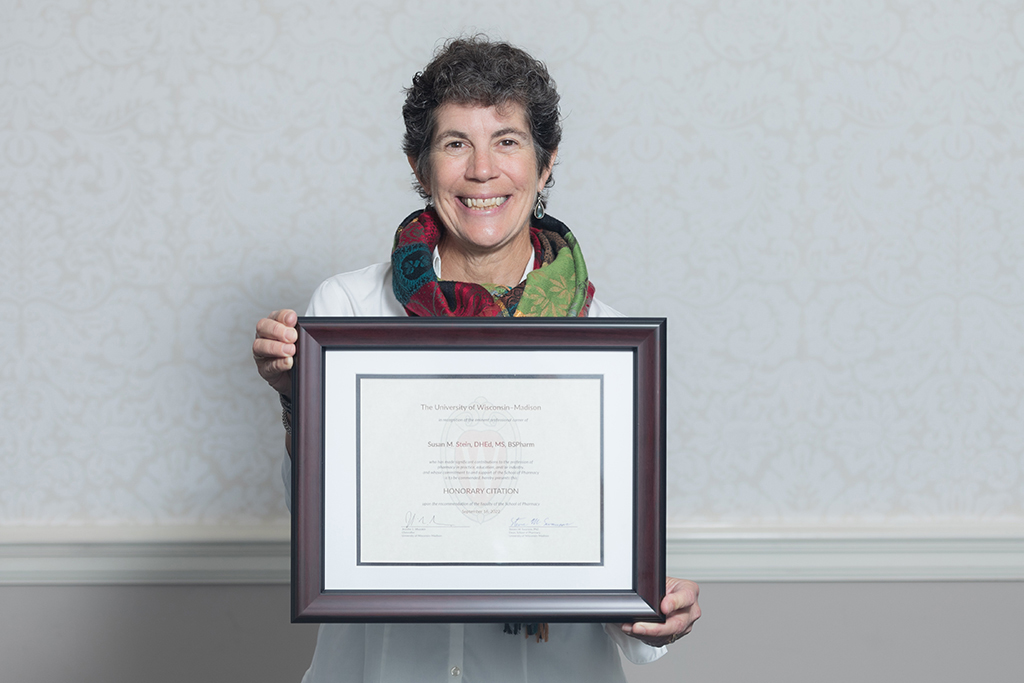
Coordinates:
<point>466,469</point>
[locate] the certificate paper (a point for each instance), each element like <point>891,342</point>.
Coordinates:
<point>479,469</point>
<point>524,496</point>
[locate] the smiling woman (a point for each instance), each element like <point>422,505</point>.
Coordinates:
<point>482,135</point>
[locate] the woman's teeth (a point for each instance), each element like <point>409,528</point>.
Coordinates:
<point>488,203</point>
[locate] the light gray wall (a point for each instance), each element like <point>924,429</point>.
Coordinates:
<point>822,197</point>
<point>750,633</point>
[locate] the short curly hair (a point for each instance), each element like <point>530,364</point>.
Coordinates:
<point>478,71</point>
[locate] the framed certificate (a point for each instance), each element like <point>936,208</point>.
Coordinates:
<point>467,469</point>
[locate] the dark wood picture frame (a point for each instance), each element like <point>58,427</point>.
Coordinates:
<point>645,338</point>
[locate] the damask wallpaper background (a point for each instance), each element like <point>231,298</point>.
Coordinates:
<point>824,198</point>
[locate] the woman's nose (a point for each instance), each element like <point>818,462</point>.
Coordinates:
<point>482,166</point>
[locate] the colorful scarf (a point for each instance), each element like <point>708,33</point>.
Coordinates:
<point>557,287</point>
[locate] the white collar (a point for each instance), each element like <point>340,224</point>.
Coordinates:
<point>437,264</point>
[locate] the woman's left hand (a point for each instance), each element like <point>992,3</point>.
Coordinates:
<point>680,609</point>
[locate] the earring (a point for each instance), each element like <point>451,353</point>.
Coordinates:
<point>538,208</point>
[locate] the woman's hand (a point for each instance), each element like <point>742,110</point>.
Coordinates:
<point>274,349</point>
<point>681,610</point>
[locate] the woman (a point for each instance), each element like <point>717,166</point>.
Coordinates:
<point>482,135</point>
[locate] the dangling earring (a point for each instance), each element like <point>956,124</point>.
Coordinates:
<point>538,208</point>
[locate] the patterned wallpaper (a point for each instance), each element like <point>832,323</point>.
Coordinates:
<point>824,198</point>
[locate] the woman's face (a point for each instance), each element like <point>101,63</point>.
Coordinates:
<point>483,177</point>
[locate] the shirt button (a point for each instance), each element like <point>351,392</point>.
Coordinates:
<point>456,671</point>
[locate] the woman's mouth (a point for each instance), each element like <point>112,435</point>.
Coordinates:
<point>488,203</point>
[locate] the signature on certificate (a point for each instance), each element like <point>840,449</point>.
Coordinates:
<point>414,521</point>
<point>534,522</point>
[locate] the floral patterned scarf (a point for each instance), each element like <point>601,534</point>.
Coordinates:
<point>557,287</point>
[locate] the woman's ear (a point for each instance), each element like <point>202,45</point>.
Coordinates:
<point>543,180</point>
<point>415,172</point>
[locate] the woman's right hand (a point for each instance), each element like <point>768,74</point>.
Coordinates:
<point>274,349</point>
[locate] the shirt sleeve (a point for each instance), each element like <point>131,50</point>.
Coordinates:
<point>635,650</point>
<point>602,310</point>
<point>365,292</point>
